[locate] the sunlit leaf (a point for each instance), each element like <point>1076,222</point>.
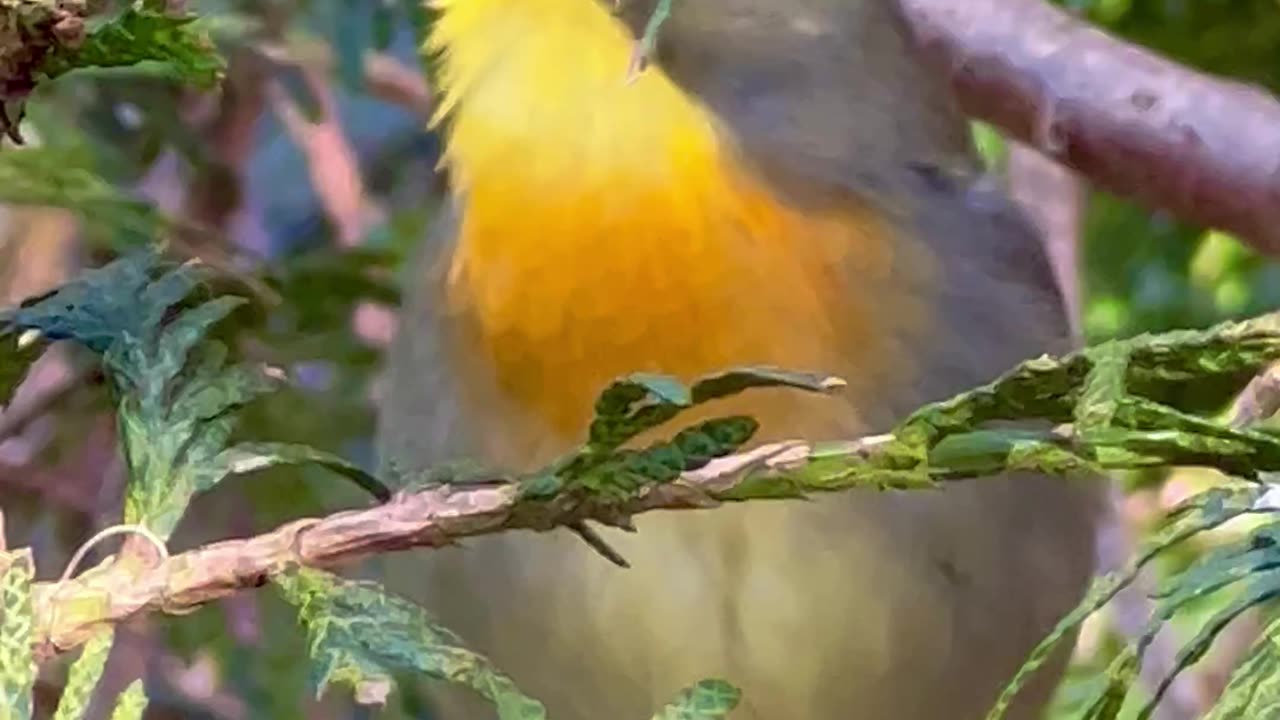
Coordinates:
<point>361,637</point>
<point>131,703</point>
<point>84,675</point>
<point>139,35</point>
<point>17,664</point>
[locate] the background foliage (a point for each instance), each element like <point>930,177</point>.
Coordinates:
<point>133,150</point>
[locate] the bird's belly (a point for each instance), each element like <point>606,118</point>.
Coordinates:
<point>854,606</point>
<point>861,605</point>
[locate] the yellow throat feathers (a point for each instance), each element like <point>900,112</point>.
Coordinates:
<point>610,227</point>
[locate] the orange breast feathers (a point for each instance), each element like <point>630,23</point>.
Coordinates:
<point>610,227</point>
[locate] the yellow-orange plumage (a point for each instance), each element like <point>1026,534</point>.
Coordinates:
<point>611,227</point>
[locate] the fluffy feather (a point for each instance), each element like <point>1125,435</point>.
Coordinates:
<point>610,227</point>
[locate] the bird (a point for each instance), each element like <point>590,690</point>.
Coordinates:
<point>781,183</point>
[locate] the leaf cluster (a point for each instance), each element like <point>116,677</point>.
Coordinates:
<point>178,396</point>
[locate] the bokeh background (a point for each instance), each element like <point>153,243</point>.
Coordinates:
<point>312,177</point>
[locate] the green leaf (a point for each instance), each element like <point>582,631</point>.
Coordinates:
<point>1050,388</point>
<point>1104,388</point>
<point>178,398</point>
<point>60,177</point>
<point>140,35</point>
<point>707,700</point>
<point>84,675</point>
<point>175,406</point>
<point>360,636</point>
<point>1263,588</point>
<point>248,457</point>
<point>1119,677</point>
<point>94,309</point>
<point>633,405</point>
<point>1202,512</point>
<point>732,382</point>
<point>622,473</point>
<point>132,703</point>
<point>642,402</point>
<point>181,336</point>
<point>1216,570</point>
<point>17,664</point>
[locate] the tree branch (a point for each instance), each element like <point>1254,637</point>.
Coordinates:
<point>119,590</point>
<point>1136,124</point>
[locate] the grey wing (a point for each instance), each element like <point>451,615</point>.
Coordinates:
<point>419,414</point>
<point>828,98</point>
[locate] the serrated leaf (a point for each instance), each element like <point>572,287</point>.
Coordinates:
<point>361,637</point>
<point>1050,388</point>
<point>177,402</point>
<point>17,664</point>
<point>84,675</point>
<point>1260,589</point>
<point>206,397</point>
<point>707,700</point>
<point>732,382</point>
<point>181,337</point>
<point>1104,388</point>
<point>131,703</point>
<point>94,309</point>
<point>1218,569</point>
<point>987,452</point>
<point>139,35</point>
<point>619,475</point>
<point>633,405</point>
<point>1195,515</point>
<point>643,401</point>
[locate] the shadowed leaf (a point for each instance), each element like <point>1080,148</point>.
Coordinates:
<point>360,636</point>
<point>144,36</point>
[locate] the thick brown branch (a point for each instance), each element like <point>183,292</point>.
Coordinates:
<point>1136,124</point>
<point>114,592</point>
